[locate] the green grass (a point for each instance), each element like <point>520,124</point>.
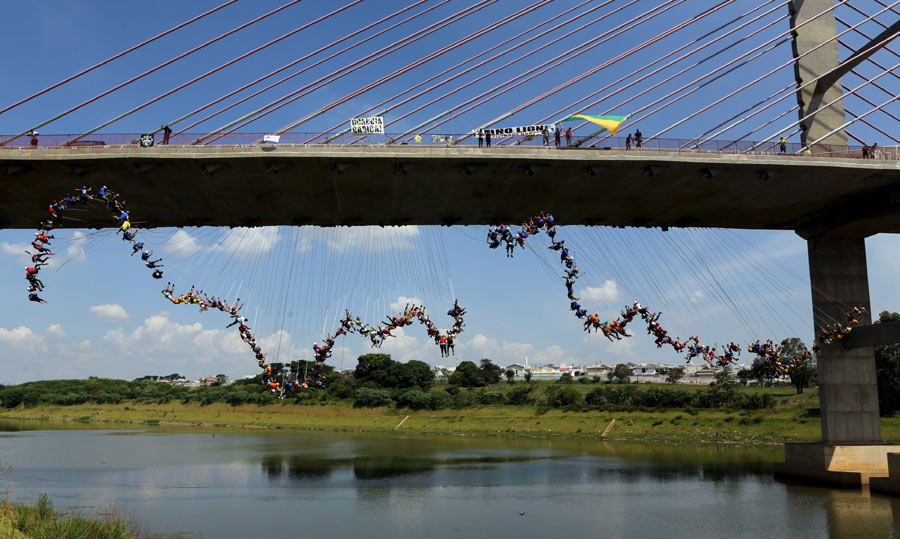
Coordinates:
<point>43,521</point>
<point>794,418</point>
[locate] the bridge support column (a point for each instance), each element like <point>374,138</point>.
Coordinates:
<point>851,450</point>
<point>813,65</point>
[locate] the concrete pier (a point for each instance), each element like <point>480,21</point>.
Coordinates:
<point>813,65</point>
<point>852,451</point>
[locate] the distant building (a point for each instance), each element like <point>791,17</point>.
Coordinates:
<point>598,370</point>
<point>518,370</point>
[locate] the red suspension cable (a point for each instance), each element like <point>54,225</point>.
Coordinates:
<point>119,55</point>
<point>217,69</point>
<point>154,69</point>
<point>302,58</point>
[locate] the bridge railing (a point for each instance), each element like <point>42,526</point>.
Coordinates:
<point>119,140</point>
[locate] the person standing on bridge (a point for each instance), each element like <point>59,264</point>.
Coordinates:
<point>568,137</point>
<point>487,138</point>
<point>872,150</point>
<point>782,144</point>
<point>556,136</point>
<point>167,132</point>
<point>546,134</point>
<point>628,142</point>
<point>34,139</point>
<point>638,139</point>
<point>480,138</point>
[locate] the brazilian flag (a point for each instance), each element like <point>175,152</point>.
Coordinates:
<point>611,123</point>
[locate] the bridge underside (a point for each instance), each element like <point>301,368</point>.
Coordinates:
<point>255,186</point>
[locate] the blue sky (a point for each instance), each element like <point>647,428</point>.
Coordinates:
<point>107,317</point>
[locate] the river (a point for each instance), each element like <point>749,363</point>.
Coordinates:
<point>228,483</point>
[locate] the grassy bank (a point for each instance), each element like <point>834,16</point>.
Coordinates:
<point>793,419</point>
<point>42,520</point>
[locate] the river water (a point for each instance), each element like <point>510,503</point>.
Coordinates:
<point>219,483</point>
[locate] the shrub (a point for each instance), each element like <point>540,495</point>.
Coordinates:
<point>562,396</point>
<point>439,400</point>
<point>451,390</point>
<point>463,399</point>
<point>491,397</point>
<point>413,399</point>
<point>370,398</point>
<point>520,395</point>
<point>596,397</point>
<point>566,378</point>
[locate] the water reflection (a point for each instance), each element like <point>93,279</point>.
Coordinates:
<point>367,485</point>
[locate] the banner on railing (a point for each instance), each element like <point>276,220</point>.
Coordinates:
<point>442,138</point>
<point>367,126</point>
<point>522,130</point>
<point>273,139</point>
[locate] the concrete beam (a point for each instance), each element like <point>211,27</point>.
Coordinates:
<point>813,65</point>
<point>330,186</point>
<point>873,335</point>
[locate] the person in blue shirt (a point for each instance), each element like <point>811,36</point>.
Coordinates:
<point>137,247</point>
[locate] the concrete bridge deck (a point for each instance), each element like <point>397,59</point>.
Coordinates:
<point>396,185</point>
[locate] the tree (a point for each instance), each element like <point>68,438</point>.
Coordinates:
<point>674,374</point>
<point>621,374</point>
<point>761,371</point>
<point>510,374</point>
<point>490,372</point>
<point>792,351</point>
<point>566,378</point>
<point>887,370</point>
<point>803,375</point>
<point>409,374</point>
<point>467,374</point>
<point>373,367</point>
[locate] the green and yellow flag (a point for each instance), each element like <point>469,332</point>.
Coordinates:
<point>611,123</point>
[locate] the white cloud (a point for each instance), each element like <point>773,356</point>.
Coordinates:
<point>16,250</point>
<point>697,296</point>
<point>402,302</point>
<point>75,250</point>
<point>181,243</point>
<point>247,241</point>
<point>371,239</point>
<point>109,312</point>
<point>55,330</point>
<point>506,352</point>
<point>22,338</point>
<point>239,241</point>
<point>608,293</point>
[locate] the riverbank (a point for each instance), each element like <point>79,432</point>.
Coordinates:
<point>42,520</point>
<point>770,426</point>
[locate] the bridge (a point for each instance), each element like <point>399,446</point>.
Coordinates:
<point>396,185</point>
<point>821,188</point>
